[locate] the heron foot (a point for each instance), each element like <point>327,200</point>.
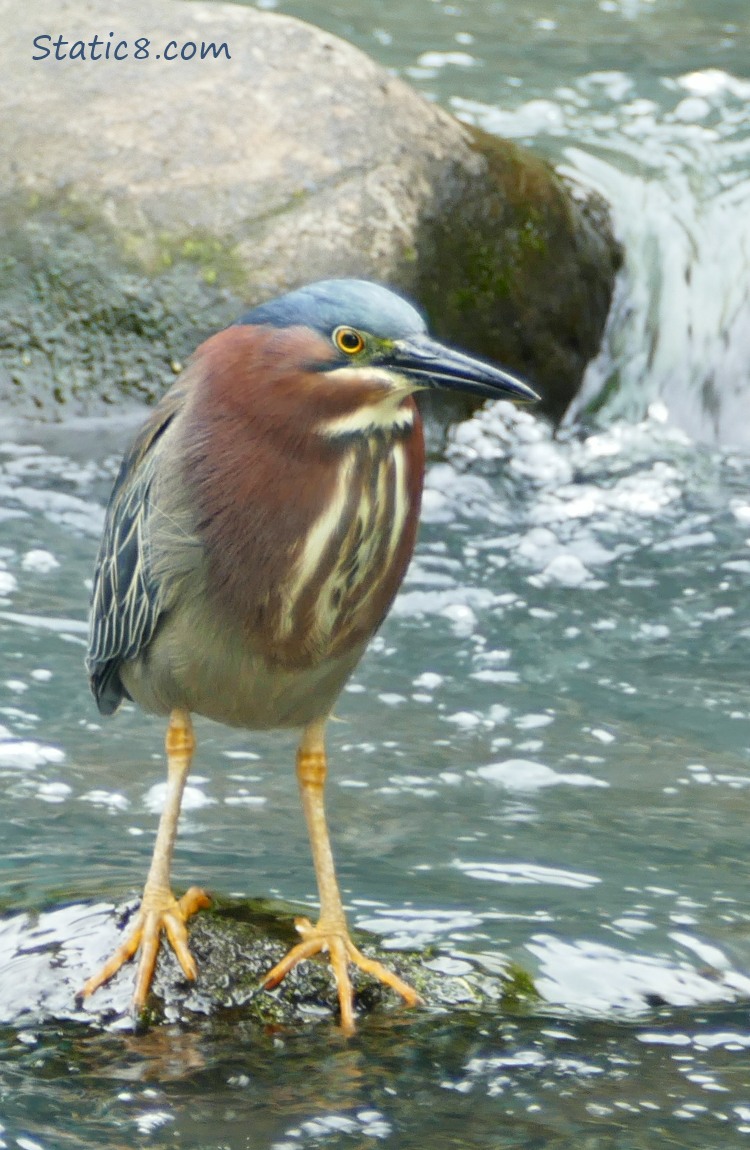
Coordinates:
<point>333,938</point>
<point>159,912</point>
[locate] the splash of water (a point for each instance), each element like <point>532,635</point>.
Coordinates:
<point>675,170</point>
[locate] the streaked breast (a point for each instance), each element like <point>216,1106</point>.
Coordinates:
<point>353,559</point>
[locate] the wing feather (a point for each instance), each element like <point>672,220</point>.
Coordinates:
<point>126,603</point>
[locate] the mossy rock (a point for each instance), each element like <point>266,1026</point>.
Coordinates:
<point>46,957</point>
<point>526,268</point>
<point>83,324</point>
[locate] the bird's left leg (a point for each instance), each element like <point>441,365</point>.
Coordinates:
<point>160,910</point>
<point>330,934</point>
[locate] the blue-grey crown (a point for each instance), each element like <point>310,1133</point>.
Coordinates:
<point>327,304</point>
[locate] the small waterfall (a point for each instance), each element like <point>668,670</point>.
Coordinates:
<point>675,167</point>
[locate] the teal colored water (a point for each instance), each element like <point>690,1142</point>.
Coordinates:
<point>545,755</point>
<point>546,752</point>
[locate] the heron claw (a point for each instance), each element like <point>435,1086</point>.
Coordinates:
<point>332,938</point>
<point>159,912</point>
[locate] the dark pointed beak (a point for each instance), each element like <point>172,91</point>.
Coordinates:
<point>431,364</point>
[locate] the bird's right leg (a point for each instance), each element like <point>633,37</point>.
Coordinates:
<point>330,934</point>
<point>160,910</point>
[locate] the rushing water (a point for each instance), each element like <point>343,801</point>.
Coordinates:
<point>646,101</point>
<point>545,754</point>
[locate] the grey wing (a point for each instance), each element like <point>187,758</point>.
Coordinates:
<point>125,602</point>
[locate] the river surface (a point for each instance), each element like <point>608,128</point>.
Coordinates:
<point>545,754</point>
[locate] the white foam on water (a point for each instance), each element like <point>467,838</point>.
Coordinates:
<point>26,754</point>
<point>112,800</point>
<point>8,583</point>
<point>523,872</point>
<point>409,929</point>
<point>54,792</point>
<point>193,799</point>
<point>244,799</point>
<point>595,978</point>
<point>39,561</point>
<point>526,775</point>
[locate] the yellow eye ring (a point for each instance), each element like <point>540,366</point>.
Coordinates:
<point>348,340</point>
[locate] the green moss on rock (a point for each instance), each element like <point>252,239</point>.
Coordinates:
<point>84,322</point>
<point>523,273</point>
<point>236,942</point>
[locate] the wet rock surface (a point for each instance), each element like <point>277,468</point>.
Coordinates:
<point>145,203</point>
<point>45,957</point>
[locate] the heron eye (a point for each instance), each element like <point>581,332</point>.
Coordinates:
<point>348,340</point>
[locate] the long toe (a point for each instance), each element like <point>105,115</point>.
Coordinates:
<point>376,970</point>
<point>297,954</point>
<point>123,954</point>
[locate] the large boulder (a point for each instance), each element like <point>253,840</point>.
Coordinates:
<point>145,201</point>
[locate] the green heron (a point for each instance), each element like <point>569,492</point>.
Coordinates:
<point>256,536</point>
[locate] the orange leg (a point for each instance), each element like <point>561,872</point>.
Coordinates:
<point>160,910</point>
<point>330,934</point>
